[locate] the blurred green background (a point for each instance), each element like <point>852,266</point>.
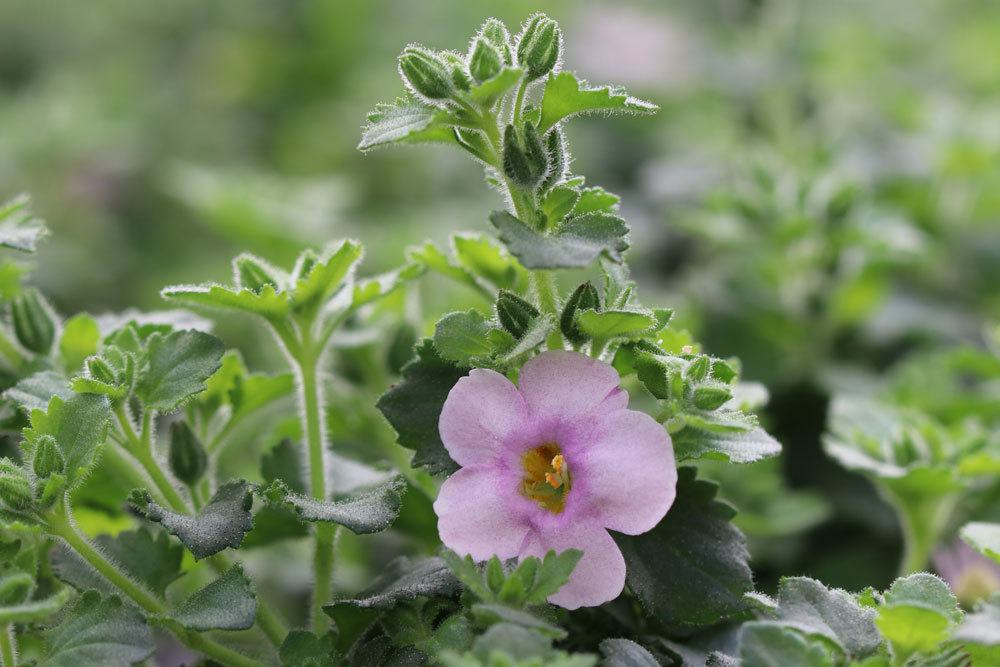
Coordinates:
<point>819,195</point>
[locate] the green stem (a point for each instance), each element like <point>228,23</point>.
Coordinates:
<point>8,646</point>
<point>61,524</point>
<point>544,285</point>
<point>519,99</point>
<point>922,520</point>
<point>10,351</point>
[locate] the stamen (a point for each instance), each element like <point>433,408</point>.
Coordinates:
<point>546,477</point>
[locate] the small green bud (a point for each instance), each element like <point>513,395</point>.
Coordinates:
<point>15,588</point>
<point>101,370</point>
<point>655,375</point>
<point>515,314</point>
<point>584,297</point>
<point>459,76</point>
<point>698,370</point>
<point>51,489</point>
<point>426,73</point>
<point>524,158</point>
<point>555,147</point>
<point>485,61</point>
<point>253,274</point>
<point>34,321</point>
<point>496,33</point>
<point>47,458</point>
<point>710,396</point>
<point>15,489</point>
<point>188,460</point>
<point>494,574</point>
<point>304,265</point>
<point>539,46</point>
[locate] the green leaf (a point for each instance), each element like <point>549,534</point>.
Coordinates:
<point>19,229</point>
<point>553,572</point>
<point>559,202</point>
<point>267,303</point>
<point>566,96</point>
<point>80,338</point>
<point>78,424</point>
<point>98,631</point>
<point>487,92</point>
<point>747,446</point>
<point>35,391</point>
<point>369,511</point>
<point>625,653</point>
<point>483,257</point>
<point>764,644</point>
<point>413,407</point>
<point>462,337</point>
<point>33,611</point>
<point>917,613</point>
<point>809,607</point>
<point>609,324</point>
<point>576,243</point>
<point>981,627</point>
<point>593,200</point>
<point>405,580</point>
<point>691,569</point>
<point>405,121</point>
<point>326,276</point>
<point>228,603</point>
<point>984,538</point>
<point>302,648</point>
<point>146,556</point>
<point>434,259</point>
<point>221,523</point>
<point>374,288</point>
<point>178,365</point>
<point>490,614</point>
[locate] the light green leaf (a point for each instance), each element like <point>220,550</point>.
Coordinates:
<point>559,202</point>
<point>371,289</point>
<point>984,537</point>
<point>746,446</point>
<point>33,611</point>
<point>267,303</point>
<point>434,259</point>
<point>405,121</point>
<point>594,200</point>
<point>368,511</point>
<point>918,613</point>
<point>80,339</point>
<point>462,337</point>
<point>536,334</point>
<point>326,276</point>
<point>577,242</point>
<point>487,92</point>
<point>19,229</point>
<point>178,366</point>
<point>228,603</point>
<point>35,391</point>
<point>98,631</point>
<point>220,524</point>
<point>482,256</point>
<point>982,627</point>
<point>565,96</point>
<point>78,424</point>
<point>608,324</point>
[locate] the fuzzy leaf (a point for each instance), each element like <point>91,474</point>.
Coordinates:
<point>19,229</point>
<point>984,537</point>
<point>405,580</point>
<point>369,511</point>
<point>221,523</point>
<point>326,276</point>
<point>746,446</point>
<point>625,653</point>
<point>462,337</point>
<point>405,121</point>
<point>179,364</point>
<point>35,391</point>
<point>489,91</point>
<point>99,631</point>
<point>691,569</point>
<point>266,303</point>
<point>608,324</point>
<point>595,199</point>
<point>764,644</point>
<point>78,424</point>
<point>982,627</point>
<point>575,244</point>
<point>148,557</point>
<point>302,648</point>
<point>566,96</point>
<point>228,603</point>
<point>811,608</point>
<point>372,289</point>
<point>413,407</point>
<point>32,611</point>
<point>482,256</point>
<point>917,613</point>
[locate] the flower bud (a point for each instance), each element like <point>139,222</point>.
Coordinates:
<point>485,62</point>
<point>584,297</point>
<point>539,47</point>
<point>253,274</point>
<point>101,370</point>
<point>698,370</point>
<point>524,158</point>
<point>50,490</point>
<point>34,321</point>
<point>47,458</point>
<point>514,313</point>
<point>459,76</point>
<point>555,148</point>
<point>426,73</point>
<point>710,396</point>
<point>188,460</point>
<point>15,489</point>
<point>496,33</point>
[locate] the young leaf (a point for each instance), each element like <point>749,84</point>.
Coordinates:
<point>370,511</point>
<point>326,276</point>
<point>221,523</point>
<point>405,121</point>
<point>609,324</point>
<point>577,242</point>
<point>179,364</point>
<point>917,614</point>
<point>228,603</point>
<point>267,302</point>
<point>691,569</point>
<point>413,407</point>
<point>596,199</point>
<point>79,426</point>
<point>490,614</point>
<point>98,631</point>
<point>462,337</point>
<point>489,91</point>
<point>552,573</point>
<point>565,96</point>
<point>405,580</point>
<point>485,258</point>
<point>35,391</point>
<point>80,338</point>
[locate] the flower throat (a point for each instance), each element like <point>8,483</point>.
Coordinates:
<point>546,477</point>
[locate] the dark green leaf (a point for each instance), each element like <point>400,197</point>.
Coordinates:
<point>179,364</point>
<point>625,653</point>
<point>228,603</point>
<point>79,426</point>
<point>405,580</point>
<point>691,569</point>
<point>575,244</point>
<point>98,631</point>
<point>369,511</point>
<point>764,644</point>
<point>811,608</point>
<point>302,648</point>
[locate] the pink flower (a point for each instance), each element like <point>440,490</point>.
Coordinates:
<point>553,464</point>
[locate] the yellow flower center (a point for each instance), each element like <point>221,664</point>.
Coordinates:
<point>546,477</point>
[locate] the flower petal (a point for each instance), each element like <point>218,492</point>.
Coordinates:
<point>564,384</point>
<point>599,576</point>
<point>475,517</point>
<point>482,410</point>
<point>626,473</point>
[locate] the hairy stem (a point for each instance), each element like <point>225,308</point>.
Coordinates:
<point>8,646</point>
<point>61,524</point>
<point>922,520</point>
